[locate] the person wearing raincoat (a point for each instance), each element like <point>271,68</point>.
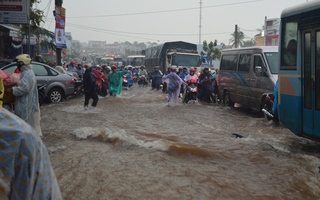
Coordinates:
<point>26,93</point>
<point>90,89</point>
<point>26,171</point>
<point>173,82</point>
<point>115,81</point>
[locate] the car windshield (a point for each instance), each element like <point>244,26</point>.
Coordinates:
<point>135,61</point>
<point>272,59</point>
<point>186,60</point>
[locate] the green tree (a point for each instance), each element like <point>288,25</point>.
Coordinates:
<point>240,41</point>
<point>211,51</point>
<point>249,43</point>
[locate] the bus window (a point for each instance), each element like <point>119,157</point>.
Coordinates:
<point>307,71</point>
<point>317,77</point>
<point>289,46</point>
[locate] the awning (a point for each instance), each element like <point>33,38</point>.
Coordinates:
<point>11,27</point>
<point>14,30</point>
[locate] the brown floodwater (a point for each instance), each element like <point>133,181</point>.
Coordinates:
<point>136,147</point>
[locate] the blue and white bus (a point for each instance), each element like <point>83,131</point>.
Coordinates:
<point>299,72</point>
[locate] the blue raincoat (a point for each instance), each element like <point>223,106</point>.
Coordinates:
<point>25,168</point>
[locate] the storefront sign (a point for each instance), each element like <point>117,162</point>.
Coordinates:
<point>15,12</point>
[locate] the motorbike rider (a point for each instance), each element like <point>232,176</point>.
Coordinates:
<point>191,76</point>
<point>164,88</point>
<point>156,77</point>
<point>205,85</point>
<point>80,70</point>
<point>72,67</point>
<point>182,75</point>
<point>143,72</point>
<point>129,77</point>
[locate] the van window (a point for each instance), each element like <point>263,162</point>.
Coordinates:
<point>258,62</point>
<point>244,62</point>
<point>229,62</point>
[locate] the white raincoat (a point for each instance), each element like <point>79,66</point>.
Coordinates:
<point>27,101</point>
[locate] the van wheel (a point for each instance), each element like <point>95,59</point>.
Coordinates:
<point>226,99</point>
<point>55,95</point>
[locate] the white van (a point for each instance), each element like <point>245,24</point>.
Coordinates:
<point>247,75</point>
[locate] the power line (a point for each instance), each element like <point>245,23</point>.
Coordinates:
<point>166,11</point>
<point>137,33</point>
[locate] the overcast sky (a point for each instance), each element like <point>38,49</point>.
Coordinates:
<point>163,20</point>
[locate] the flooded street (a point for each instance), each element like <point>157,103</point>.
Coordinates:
<point>136,147</point>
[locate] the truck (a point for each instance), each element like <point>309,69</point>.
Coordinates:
<point>177,53</point>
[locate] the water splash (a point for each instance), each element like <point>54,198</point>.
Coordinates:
<point>121,136</point>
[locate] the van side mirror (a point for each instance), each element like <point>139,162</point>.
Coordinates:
<point>258,71</point>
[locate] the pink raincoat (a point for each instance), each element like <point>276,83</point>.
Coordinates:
<point>173,95</point>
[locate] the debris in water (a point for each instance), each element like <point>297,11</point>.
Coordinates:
<point>237,135</point>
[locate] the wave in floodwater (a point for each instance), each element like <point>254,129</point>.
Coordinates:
<point>121,136</point>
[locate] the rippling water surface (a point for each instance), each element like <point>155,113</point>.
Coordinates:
<point>136,147</point>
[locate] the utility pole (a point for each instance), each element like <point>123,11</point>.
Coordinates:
<point>200,22</point>
<point>236,37</point>
<point>58,50</point>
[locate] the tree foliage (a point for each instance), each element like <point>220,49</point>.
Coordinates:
<point>36,17</point>
<point>240,41</point>
<point>211,51</point>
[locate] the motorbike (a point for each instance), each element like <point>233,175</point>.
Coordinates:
<point>78,87</point>
<point>9,98</point>
<point>135,77</point>
<point>142,81</point>
<point>42,93</point>
<point>192,91</point>
<point>124,81</point>
<point>267,108</point>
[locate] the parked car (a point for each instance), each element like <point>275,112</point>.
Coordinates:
<point>58,86</point>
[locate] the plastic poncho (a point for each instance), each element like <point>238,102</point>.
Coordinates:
<point>26,171</point>
<point>27,101</point>
<point>156,77</point>
<point>173,96</point>
<point>115,82</point>
<point>129,78</point>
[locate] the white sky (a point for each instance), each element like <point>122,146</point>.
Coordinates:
<point>163,20</point>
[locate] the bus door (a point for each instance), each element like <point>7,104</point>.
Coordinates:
<point>311,81</point>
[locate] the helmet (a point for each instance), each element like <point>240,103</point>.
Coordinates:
<point>185,67</point>
<point>98,66</point>
<point>192,69</point>
<point>108,67</point>
<point>23,59</point>
<point>72,63</point>
<point>113,67</point>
